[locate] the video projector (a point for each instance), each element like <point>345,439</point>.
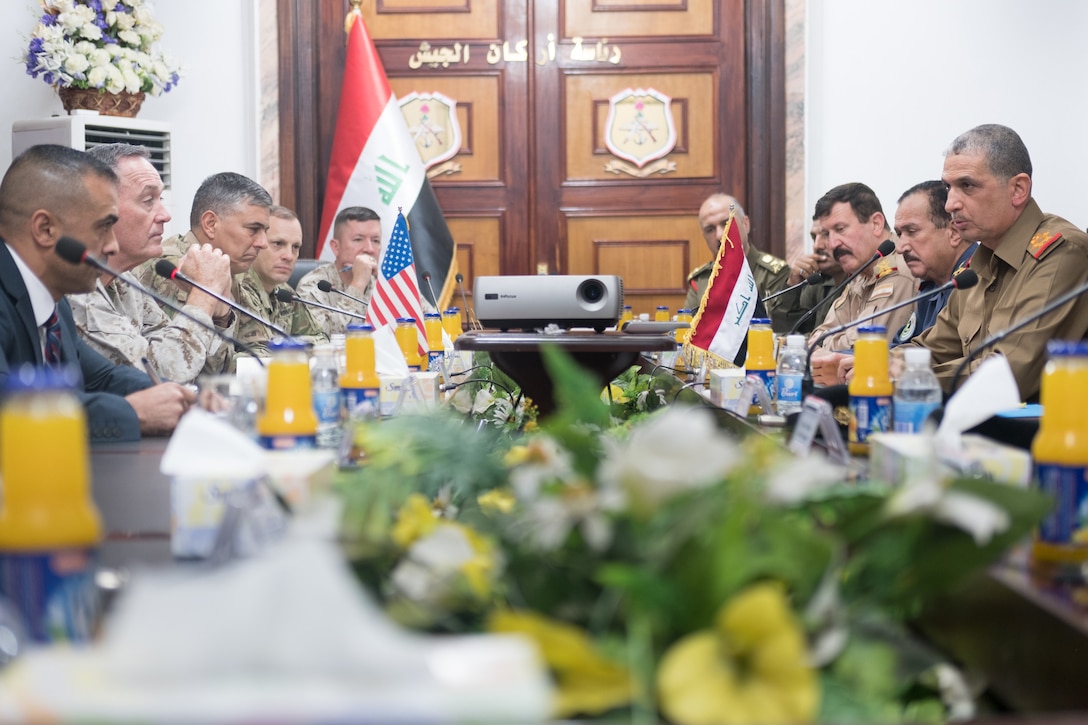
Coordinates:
<point>529,302</point>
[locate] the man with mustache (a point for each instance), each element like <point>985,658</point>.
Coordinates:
<point>788,308</point>
<point>270,271</point>
<point>934,253</point>
<point>1025,259</point>
<point>855,223</point>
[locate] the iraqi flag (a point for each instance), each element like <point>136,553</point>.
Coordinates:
<point>374,163</point>
<point>720,327</point>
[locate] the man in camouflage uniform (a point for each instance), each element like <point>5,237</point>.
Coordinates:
<point>356,242</point>
<point>769,271</point>
<point>1025,260</point>
<point>127,326</point>
<point>230,212</point>
<point>855,224</point>
<point>270,271</point>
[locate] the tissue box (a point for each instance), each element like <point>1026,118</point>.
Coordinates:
<point>725,384</point>
<point>896,457</point>
<point>196,510</point>
<point>996,461</point>
<point>899,457</point>
<point>426,385</point>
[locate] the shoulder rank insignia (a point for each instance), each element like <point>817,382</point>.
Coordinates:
<point>884,267</point>
<point>700,270</point>
<point>1041,241</point>
<point>772,262</point>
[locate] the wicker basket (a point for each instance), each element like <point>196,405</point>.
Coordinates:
<point>108,104</point>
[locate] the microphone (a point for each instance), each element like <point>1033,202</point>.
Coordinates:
<point>473,324</point>
<point>326,286</point>
<point>814,278</point>
<point>286,295</point>
<point>994,339</point>
<point>75,252</point>
<point>964,280</point>
<point>886,247</point>
<point>166,268</point>
<point>434,297</point>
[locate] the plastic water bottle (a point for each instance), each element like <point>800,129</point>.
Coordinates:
<point>917,394</point>
<point>791,372</point>
<point>325,387</point>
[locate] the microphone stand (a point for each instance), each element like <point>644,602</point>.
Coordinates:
<point>814,278</point>
<point>284,295</point>
<point>166,268</point>
<point>850,278</point>
<point>1046,309</point>
<point>74,255</point>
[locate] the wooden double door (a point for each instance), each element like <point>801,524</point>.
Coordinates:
<point>587,131</point>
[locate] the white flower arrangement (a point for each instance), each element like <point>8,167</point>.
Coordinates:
<point>103,44</point>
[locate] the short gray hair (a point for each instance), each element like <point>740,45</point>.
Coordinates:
<point>224,192</point>
<point>111,153</point>
<point>1004,150</point>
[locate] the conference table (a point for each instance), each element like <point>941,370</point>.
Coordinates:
<point>1027,637</point>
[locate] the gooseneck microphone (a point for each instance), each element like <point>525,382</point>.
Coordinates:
<point>1051,306</point>
<point>814,278</point>
<point>964,280</point>
<point>473,323</point>
<point>166,268</point>
<point>286,295</point>
<point>326,286</point>
<point>75,252</point>
<point>434,297</point>
<point>886,247</point>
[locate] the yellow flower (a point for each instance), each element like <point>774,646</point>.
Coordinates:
<point>479,569</point>
<point>587,682</point>
<point>415,520</point>
<point>617,394</point>
<point>751,668</point>
<point>497,499</point>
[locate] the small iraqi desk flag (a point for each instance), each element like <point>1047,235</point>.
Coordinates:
<point>374,163</point>
<point>719,332</point>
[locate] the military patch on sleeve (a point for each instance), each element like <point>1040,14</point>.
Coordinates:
<point>907,331</point>
<point>885,267</point>
<point>881,291</point>
<point>1041,242</point>
<point>772,263</point>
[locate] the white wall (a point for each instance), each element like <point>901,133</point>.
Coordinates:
<point>890,84</point>
<point>212,109</point>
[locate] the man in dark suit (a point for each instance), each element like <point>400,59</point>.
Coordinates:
<point>49,192</point>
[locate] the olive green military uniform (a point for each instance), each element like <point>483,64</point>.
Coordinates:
<point>1040,258</point>
<point>127,326</point>
<point>790,307</point>
<point>890,283</point>
<point>294,317</point>
<point>770,272</point>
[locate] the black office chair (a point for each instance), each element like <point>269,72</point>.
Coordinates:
<point>302,268</point>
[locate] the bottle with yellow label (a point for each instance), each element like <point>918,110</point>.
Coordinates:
<point>1060,451</point>
<point>49,526</point>
<point>288,420</point>
<point>871,389</point>
<point>432,324</point>
<point>761,361</point>
<point>360,386</point>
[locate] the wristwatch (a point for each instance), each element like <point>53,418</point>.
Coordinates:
<point>224,321</point>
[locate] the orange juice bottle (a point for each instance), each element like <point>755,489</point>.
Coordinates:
<point>288,420</point>
<point>662,314</point>
<point>49,526</point>
<point>451,322</point>
<point>1060,451</point>
<point>761,361</point>
<point>871,389</point>
<point>408,342</point>
<point>360,386</point>
<point>627,316</point>
<point>682,334</point>
<point>432,323</point>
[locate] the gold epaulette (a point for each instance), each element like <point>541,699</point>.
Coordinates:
<point>1041,242</point>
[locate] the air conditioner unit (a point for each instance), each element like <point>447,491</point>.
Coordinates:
<point>85,130</point>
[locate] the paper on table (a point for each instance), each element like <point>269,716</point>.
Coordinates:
<point>389,360</point>
<point>986,392</point>
<point>205,445</point>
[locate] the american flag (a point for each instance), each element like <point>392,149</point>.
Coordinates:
<point>396,293</point>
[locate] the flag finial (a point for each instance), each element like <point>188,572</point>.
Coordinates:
<point>353,14</point>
